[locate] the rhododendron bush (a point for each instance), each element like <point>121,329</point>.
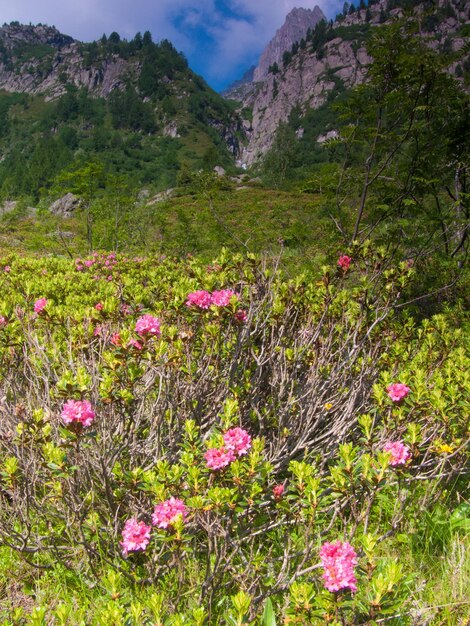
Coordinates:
<point>226,435</point>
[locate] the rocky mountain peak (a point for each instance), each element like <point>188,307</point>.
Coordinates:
<point>15,34</point>
<point>298,21</point>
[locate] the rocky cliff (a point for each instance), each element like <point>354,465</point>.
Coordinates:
<point>297,23</point>
<point>41,60</point>
<point>339,63</point>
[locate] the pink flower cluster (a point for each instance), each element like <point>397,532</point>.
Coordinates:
<point>78,412</point>
<point>344,262</point>
<point>400,453</point>
<point>397,391</point>
<point>40,305</point>
<point>166,513</point>
<point>135,536</point>
<point>338,559</point>
<point>217,458</point>
<point>237,443</point>
<point>148,326</point>
<point>3,321</point>
<point>203,299</point>
<point>278,490</point>
<point>103,261</point>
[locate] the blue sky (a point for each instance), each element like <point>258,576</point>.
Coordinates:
<point>220,38</point>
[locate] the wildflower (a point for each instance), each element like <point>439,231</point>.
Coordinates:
<point>98,331</point>
<point>148,326</point>
<point>78,412</point>
<point>135,536</point>
<point>344,262</point>
<point>237,440</point>
<point>241,316</point>
<point>40,305</point>
<point>400,453</point>
<point>397,391</point>
<point>441,448</point>
<point>115,339</point>
<point>166,513</point>
<point>222,298</point>
<point>99,306</point>
<point>202,299</point>
<point>217,458</point>
<point>328,406</point>
<point>7,269</point>
<point>278,490</point>
<point>133,343</point>
<point>338,560</point>
<point>3,321</point>
<point>89,263</point>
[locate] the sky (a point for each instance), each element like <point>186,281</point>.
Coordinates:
<point>220,38</point>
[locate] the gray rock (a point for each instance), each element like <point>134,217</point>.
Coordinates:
<point>65,206</point>
<point>219,170</point>
<point>161,197</point>
<point>295,27</point>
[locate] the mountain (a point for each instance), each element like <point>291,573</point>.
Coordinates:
<point>333,59</point>
<point>295,28</point>
<point>63,100</point>
<point>297,23</point>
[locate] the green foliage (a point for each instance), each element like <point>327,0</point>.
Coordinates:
<point>313,359</point>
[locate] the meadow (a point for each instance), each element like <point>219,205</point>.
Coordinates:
<point>185,441</point>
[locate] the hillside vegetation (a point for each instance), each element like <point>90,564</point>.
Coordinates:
<point>242,401</point>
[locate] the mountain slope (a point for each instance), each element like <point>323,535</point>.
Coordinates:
<point>335,59</point>
<point>89,101</point>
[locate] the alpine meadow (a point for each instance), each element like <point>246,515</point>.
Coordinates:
<point>234,331</point>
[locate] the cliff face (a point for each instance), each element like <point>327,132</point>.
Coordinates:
<point>341,64</point>
<point>40,60</point>
<point>294,29</point>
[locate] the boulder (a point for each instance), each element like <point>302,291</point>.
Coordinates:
<point>65,206</point>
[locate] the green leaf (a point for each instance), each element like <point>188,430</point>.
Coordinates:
<point>269,619</point>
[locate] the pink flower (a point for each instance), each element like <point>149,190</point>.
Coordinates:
<point>135,536</point>
<point>241,316</point>
<point>166,513</point>
<point>99,306</point>
<point>78,412</point>
<point>115,339</point>
<point>344,262</point>
<point>222,298</point>
<point>133,343</point>
<point>338,560</point>
<point>216,458</point>
<point>202,299</point>
<point>237,440</point>
<point>148,326</point>
<point>397,391</point>
<point>89,263</point>
<point>278,490</point>
<point>7,269</point>
<point>98,330</point>
<point>40,305</point>
<point>400,453</point>
<point>3,321</point>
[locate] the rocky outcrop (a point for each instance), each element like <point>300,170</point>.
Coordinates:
<point>297,23</point>
<point>65,206</point>
<point>306,83</point>
<point>309,78</point>
<point>48,71</point>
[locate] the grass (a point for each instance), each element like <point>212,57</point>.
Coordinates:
<point>241,218</point>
